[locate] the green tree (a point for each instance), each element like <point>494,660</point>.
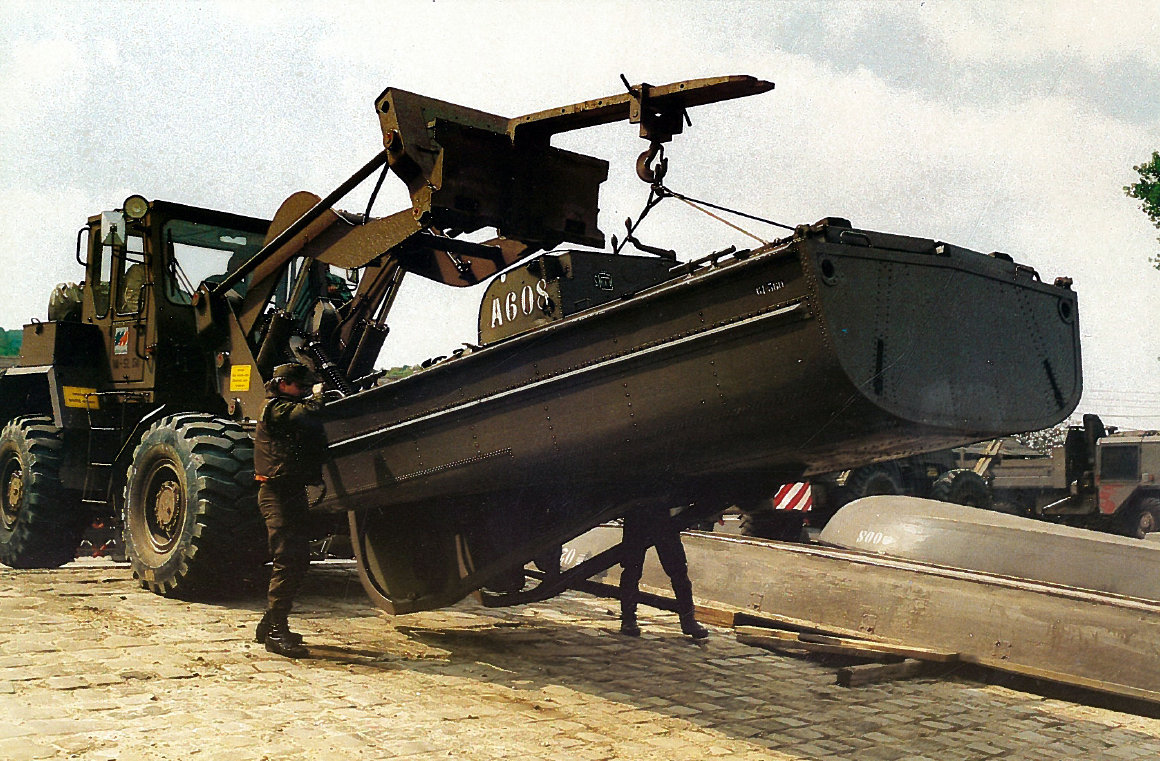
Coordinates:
<point>1147,191</point>
<point>10,341</point>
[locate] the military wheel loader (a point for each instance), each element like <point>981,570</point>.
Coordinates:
<point>601,380</point>
<point>115,411</point>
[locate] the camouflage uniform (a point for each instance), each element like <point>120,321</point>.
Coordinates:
<point>288,451</point>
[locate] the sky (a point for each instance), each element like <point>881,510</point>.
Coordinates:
<point>997,126</point>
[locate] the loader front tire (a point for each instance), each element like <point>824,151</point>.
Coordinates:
<point>40,521</point>
<point>191,523</point>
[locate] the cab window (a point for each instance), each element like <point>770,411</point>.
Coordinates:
<point>1119,463</point>
<point>103,256</point>
<point>197,252</point>
<point>132,276</point>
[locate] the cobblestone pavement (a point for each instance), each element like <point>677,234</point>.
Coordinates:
<point>92,667</point>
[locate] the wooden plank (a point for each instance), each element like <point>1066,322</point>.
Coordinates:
<point>716,616</point>
<point>759,631</point>
<point>873,673</point>
<point>906,651</point>
<point>849,645</point>
<point>791,623</point>
<point>780,644</point>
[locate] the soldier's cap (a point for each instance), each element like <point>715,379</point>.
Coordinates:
<point>292,372</point>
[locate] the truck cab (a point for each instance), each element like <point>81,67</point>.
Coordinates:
<point>1127,464</point>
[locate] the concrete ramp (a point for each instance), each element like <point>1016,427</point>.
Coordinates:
<point>1072,636</point>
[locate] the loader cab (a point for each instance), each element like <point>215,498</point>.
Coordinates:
<point>143,265</point>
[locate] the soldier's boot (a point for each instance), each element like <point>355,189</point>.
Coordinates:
<point>263,628</point>
<point>686,611</point>
<point>628,624</point>
<point>280,640</point>
<point>690,626</point>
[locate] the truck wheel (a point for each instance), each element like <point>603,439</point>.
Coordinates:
<point>191,519</point>
<point>1143,519</point>
<point>872,481</point>
<point>40,521</point>
<point>962,487</point>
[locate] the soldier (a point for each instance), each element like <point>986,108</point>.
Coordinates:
<point>651,526</point>
<point>289,448</point>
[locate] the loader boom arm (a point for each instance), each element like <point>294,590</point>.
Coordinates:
<point>465,170</point>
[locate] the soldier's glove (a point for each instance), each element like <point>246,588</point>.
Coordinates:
<point>323,397</point>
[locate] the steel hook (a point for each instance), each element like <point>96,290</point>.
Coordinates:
<point>651,174</point>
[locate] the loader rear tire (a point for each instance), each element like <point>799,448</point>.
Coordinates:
<point>191,522</point>
<point>40,521</point>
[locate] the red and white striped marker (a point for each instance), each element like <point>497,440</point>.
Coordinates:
<point>796,496</point>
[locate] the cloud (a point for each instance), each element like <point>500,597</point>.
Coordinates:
<point>34,76</point>
<point>990,125</point>
<point>1093,33</point>
<point>984,53</point>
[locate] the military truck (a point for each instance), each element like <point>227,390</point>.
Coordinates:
<point>940,475</point>
<point>601,380</point>
<point>1096,479</point>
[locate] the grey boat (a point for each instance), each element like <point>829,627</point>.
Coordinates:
<point>997,543</point>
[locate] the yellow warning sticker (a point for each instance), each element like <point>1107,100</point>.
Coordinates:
<point>240,378</point>
<point>80,397</point>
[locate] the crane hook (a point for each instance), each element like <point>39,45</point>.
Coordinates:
<point>650,174</point>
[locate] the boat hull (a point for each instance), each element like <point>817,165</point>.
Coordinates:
<point>997,543</point>
<point>824,351</point>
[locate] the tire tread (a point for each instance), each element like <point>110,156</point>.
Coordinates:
<point>48,528</point>
<point>224,540</point>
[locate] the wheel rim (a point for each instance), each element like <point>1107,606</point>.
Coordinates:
<point>11,491</point>
<point>972,495</point>
<point>164,506</point>
<point>1146,524</point>
<point>881,486</point>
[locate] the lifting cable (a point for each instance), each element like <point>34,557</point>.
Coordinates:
<point>697,204</point>
<point>659,192</point>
